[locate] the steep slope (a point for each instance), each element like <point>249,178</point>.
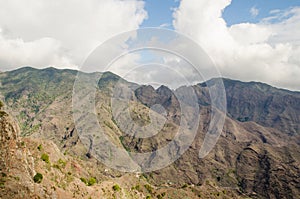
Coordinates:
<point>263,104</point>
<point>28,91</point>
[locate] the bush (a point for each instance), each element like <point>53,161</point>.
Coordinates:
<point>149,188</point>
<point>89,182</point>
<point>116,187</point>
<point>62,163</point>
<point>83,180</point>
<point>40,147</point>
<point>184,186</point>
<point>45,158</point>
<point>38,178</point>
<point>92,181</point>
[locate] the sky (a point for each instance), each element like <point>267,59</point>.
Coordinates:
<point>249,40</point>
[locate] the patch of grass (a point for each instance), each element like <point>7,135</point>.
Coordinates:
<point>38,178</point>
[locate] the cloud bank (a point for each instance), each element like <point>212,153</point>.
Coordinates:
<point>267,51</point>
<point>61,33</point>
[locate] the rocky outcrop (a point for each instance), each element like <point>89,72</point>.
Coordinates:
<point>262,103</point>
<point>268,172</point>
<point>16,162</point>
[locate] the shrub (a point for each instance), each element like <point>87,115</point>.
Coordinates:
<point>45,158</point>
<point>40,147</point>
<point>92,181</point>
<point>83,180</point>
<point>62,163</point>
<point>184,186</point>
<point>149,188</point>
<point>137,187</point>
<point>38,178</point>
<point>116,187</point>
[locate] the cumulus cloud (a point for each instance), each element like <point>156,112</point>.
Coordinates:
<point>61,32</point>
<point>266,51</point>
<point>41,53</point>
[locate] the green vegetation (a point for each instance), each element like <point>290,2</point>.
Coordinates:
<point>243,119</point>
<point>137,187</point>
<point>116,187</point>
<point>2,113</point>
<point>148,197</point>
<point>22,143</point>
<point>149,188</point>
<point>159,197</point>
<point>38,178</point>
<point>184,186</point>
<point>83,180</point>
<point>121,138</point>
<point>89,182</point>
<point>40,147</point>
<point>62,163</point>
<point>17,178</point>
<point>41,88</point>
<point>2,179</point>
<point>45,158</point>
<point>92,181</point>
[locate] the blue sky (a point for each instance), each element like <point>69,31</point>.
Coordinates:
<point>160,11</point>
<point>239,10</point>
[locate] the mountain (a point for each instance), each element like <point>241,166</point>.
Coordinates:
<point>256,156</point>
<point>264,105</point>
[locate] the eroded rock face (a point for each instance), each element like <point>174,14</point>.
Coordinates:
<point>16,162</point>
<point>261,172</point>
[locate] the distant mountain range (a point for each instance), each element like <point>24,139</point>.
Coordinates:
<point>256,156</point>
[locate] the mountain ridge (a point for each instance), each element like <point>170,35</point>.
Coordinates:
<point>257,154</point>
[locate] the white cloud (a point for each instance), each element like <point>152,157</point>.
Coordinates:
<point>254,11</point>
<point>39,53</point>
<point>265,51</point>
<point>65,29</point>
